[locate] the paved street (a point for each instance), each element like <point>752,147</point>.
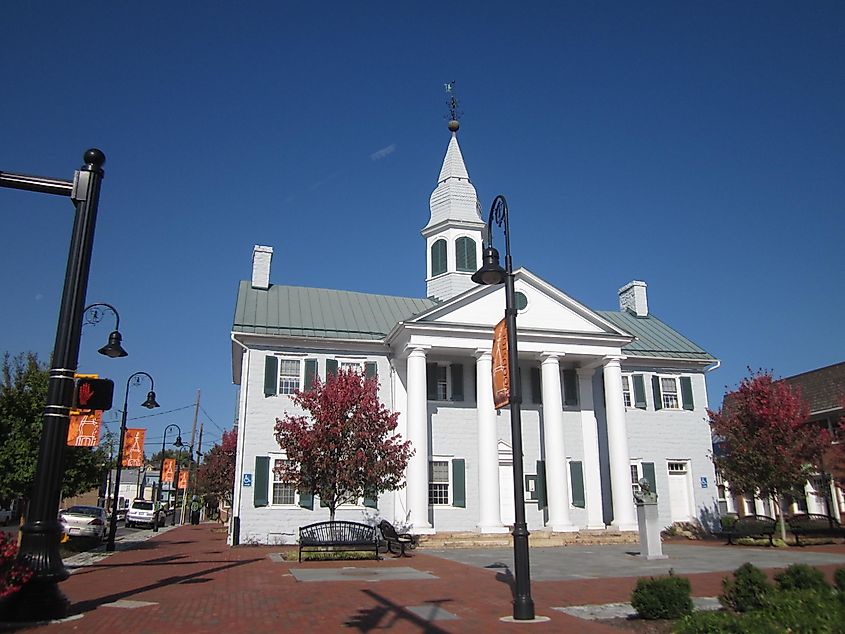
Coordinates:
<point>187,579</point>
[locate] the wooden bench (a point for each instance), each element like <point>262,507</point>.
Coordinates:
<point>813,525</point>
<point>751,526</point>
<point>337,536</point>
<point>400,540</point>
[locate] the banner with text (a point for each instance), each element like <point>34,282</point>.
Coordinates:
<point>168,470</point>
<point>501,367</point>
<point>84,428</point>
<point>133,448</point>
<point>183,479</point>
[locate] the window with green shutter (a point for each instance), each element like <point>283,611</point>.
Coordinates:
<point>370,369</point>
<point>261,481</point>
<point>371,500</point>
<point>459,484</point>
<point>306,500</point>
<point>431,381</point>
<point>331,366</point>
<point>576,476</point>
<point>655,388</point>
<point>686,393</point>
<point>465,254</point>
<point>542,501</point>
<point>310,373</point>
<point>648,474</point>
<point>536,386</point>
<point>639,391</point>
<point>438,257</point>
<point>570,387</point>
<point>271,375</point>
<point>457,372</point>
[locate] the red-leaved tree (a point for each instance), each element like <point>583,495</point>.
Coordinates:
<point>216,475</point>
<point>13,574</point>
<point>346,447</point>
<point>767,447</point>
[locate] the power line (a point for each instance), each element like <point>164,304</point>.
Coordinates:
<point>212,420</point>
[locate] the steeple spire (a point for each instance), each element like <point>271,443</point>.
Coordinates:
<point>454,230</point>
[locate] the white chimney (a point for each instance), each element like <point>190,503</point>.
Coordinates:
<point>261,257</point>
<point>633,298</point>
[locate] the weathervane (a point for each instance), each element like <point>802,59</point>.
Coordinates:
<point>452,104</point>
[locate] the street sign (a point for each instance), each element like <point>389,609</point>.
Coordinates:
<point>247,479</point>
<point>703,482</point>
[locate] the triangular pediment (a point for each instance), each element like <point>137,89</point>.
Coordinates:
<point>547,308</point>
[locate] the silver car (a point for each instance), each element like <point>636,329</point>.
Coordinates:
<point>85,521</point>
<point>141,513</point>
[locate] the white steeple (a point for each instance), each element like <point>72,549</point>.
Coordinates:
<point>453,235</point>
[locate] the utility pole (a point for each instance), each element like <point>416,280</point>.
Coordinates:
<point>199,447</point>
<point>191,457</point>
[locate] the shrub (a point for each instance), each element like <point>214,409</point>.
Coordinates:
<point>709,623</point>
<point>728,521</point>
<point>746,591</point>
<point>12,574</point>
<point>801,577</point>
<point>662,597</point>
<point>839,579</point>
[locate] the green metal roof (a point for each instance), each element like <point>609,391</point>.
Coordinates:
<point>654,339</point>
<point>298,311</point>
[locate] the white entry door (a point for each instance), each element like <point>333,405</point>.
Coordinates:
<point>679,491</point>
<point>506,493</point>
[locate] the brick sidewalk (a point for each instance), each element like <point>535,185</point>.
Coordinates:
<point>191,581</point>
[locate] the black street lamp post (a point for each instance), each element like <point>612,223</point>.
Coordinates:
<point>491,273</point>
<point>41,598</point>
<point>178,443</point>
<point>150,403</point>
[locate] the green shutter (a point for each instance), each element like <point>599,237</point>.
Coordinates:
<point>438,257</point>
<point>655,388</point>
<point>260,484</point>
<point>570,387</point>
<point>686,392</point>
<point>648,474</point>
<point>541,484</point>
<point>536,386</point>
<point>431,380</point>
<point>371,500</point>
<point>323,505</point>
<point>576,474</point>
<point>306,500</point>
<point>331,367</point>
<point>474,379</point>
<point>271,375</point>
<point>459,483</point>
<point>457,381</point>
<point>465,254</point>
<point>639,391</point>
<point>370,369</point>
<point>310,373</point>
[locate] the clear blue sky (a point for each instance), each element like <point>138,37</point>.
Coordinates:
<point>698,147</point>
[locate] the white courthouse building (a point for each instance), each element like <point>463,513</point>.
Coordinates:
<point>609,397</point>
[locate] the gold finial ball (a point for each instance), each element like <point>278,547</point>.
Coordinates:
<point>454,125</point>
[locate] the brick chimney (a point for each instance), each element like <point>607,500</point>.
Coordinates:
<point>633,298</point>
<point>261,257</point>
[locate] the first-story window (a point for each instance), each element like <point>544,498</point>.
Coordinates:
<point>283,492</point>
<point>289,375</point>
<point>635,477</point>
<point>351,365</point>
<point>445,382</point>
<point>438,482</point>
<point>626,390</point>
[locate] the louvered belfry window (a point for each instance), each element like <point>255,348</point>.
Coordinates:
<point>438,258</point>
<point>465,254</point>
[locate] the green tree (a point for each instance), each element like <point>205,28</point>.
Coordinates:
<point>347,448</point>
<point>23,394</point>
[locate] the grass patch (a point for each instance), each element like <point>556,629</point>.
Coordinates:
<point>327,555</point>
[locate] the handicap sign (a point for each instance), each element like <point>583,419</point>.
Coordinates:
<point>703,482</point>
<point>247,479</point>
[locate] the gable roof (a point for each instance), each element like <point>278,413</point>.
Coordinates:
<point>823,389</point>
<point>654,339</point>
<point>299,311</point>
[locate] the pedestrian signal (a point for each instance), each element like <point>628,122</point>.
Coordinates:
<point>93,393</point>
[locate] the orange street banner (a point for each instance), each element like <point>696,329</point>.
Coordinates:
<point>183,480</point>
<point>501,371</point>
<point>133,448</point>
<point>169,470</point>
<point>84,428</point>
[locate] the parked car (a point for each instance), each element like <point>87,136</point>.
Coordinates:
<point>85,521</point>
<point>142,513</point>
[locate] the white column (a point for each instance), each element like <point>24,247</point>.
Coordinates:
<point>418,435</point>
<point>617,445</point>
<point>557,491</point>
<point>834,499</point>
<point>590,437</point>
<point>489,504</point>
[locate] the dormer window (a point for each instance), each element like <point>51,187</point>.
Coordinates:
<point>465,254</point>
<point>438,257</point>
